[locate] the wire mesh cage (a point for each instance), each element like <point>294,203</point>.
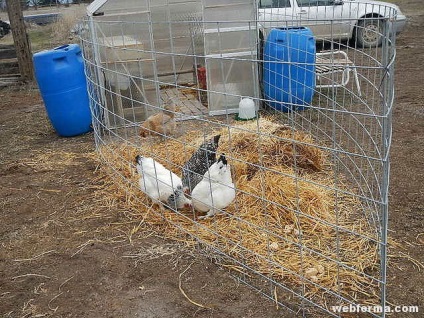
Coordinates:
<point>300,104</point>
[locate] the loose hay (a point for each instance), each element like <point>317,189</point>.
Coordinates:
<point>283,221</point>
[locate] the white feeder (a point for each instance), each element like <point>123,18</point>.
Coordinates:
<point>247,109</point>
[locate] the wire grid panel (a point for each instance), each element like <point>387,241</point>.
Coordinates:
<point>308,224</point>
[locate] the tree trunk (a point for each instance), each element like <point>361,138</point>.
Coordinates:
<point>20,38</point>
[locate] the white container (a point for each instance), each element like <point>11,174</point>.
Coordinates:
<point>247,109</point>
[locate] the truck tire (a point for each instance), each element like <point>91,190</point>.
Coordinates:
<point>369,33</point>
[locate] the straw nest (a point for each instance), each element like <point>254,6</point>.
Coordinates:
<point>283,221</point>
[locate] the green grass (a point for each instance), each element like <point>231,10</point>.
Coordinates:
<point>40,38</point>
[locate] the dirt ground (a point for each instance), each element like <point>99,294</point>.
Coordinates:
<point>66,253</point>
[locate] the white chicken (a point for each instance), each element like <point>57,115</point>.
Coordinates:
<point>216,190</point>
<point>161,184</point>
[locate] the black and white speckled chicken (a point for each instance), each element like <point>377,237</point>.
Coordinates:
<point>199,163</point>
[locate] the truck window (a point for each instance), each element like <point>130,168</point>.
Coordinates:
<point>314,3</point>
<point>274,4</point>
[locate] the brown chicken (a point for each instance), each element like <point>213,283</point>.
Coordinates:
<point>161,124</point>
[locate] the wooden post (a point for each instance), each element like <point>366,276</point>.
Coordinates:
<point>20,38</point>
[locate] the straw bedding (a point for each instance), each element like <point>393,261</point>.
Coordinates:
<point>282,222</point>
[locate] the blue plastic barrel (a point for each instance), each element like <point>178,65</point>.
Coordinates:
<point>61,79</point>
<point>289,68</point>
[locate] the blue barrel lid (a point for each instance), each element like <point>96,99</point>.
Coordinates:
<point>60,68</point>
<point>58,52</point>
<point>59,49</point>
<point>293,28</point>
<point>282,33</point>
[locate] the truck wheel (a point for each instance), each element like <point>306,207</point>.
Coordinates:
<point>368,33</point>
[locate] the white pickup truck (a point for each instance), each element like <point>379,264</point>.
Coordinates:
<point>363,21</point>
